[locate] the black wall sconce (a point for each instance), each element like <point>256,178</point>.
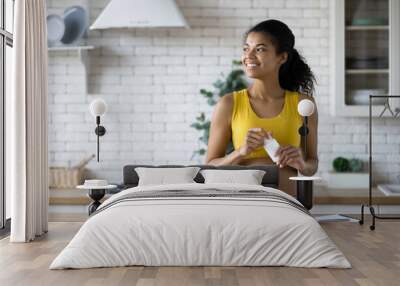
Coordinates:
<point>98,107</point>
<point>305,184</point>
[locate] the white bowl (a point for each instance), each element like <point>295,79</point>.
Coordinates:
<point>55,29</point>
<point>361,96</point>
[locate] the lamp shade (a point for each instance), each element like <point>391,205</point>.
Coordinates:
<point>98,107</point>
<point>305,107</point>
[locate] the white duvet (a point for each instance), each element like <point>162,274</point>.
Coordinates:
<point>200,231</point>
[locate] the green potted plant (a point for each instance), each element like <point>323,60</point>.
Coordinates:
<point>348,174</point>
<point>234,81</point>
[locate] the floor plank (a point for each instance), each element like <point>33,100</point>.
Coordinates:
<point>375,257</point>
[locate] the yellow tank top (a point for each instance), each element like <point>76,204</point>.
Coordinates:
<point>284,126</point>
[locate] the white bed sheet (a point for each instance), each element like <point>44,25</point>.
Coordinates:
<point>200,231</point>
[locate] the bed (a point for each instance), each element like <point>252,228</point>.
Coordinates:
<point>201,224</point>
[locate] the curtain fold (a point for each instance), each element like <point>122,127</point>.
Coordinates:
<point>28,123</point>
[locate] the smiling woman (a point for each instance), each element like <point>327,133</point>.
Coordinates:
<point>268,108</point>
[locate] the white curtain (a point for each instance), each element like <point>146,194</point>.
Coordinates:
<point>27,123</point>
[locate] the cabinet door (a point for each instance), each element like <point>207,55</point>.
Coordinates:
<point>364,44</point>
<point>366,51</point>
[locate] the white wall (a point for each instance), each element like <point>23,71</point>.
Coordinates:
<point>151,80</point>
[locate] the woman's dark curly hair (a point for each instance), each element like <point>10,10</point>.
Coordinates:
<point>294,74</point>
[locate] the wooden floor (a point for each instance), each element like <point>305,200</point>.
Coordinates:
<point>375,257</point>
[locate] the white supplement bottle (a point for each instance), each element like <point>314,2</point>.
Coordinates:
<point>271,146</point>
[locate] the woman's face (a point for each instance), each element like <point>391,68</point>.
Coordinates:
<point>259,57</point>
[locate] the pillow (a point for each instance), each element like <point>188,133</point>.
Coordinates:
<point>163,176</point>
<point>249,177</point>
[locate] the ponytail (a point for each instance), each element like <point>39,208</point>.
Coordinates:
<point>296,75</point>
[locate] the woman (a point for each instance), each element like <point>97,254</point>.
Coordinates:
<point>267,108</point>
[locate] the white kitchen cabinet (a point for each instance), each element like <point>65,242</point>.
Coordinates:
<point>365,55</point>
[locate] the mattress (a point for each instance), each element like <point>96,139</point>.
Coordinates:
<point>201,225</point>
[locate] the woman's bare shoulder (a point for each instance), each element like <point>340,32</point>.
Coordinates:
<point>227,100</point>
<point>225,104</point>
<point>223,110</point>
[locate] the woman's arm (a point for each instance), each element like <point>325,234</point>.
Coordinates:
<point>221,134</point>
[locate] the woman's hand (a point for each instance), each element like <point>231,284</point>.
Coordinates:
<point>290,156</point>
<point>254,139</point>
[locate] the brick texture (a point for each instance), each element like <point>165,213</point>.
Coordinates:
<point>151,79</point>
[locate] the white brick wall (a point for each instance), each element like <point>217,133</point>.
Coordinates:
<point>151,79</point>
